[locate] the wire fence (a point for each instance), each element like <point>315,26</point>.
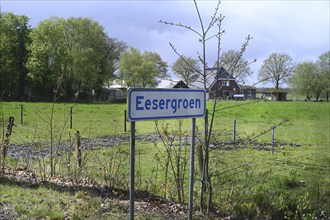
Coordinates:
<point>33,123</point>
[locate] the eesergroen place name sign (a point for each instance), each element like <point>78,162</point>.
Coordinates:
<point>154,104</point>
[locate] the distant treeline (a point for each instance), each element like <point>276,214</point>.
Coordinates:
<point>59,56</point>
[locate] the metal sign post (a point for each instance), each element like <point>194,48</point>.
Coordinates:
<point>132,171</point>
<point>234,132</point>
<point>273,139</point>
<point>192,162</point>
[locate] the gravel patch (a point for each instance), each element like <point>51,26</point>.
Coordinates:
<point>7,212</point>
<point>38,149</point>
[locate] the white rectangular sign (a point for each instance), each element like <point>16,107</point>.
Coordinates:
<point>154,104</point>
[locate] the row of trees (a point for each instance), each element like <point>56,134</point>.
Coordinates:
<point>74,55</point>
<point>308,78</point>
<point>74,52</point>
<point>77,54</point>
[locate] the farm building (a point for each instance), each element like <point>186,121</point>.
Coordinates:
<point>274,95</point>
<point>222,85</point>
<point>112,94</point>
<point>114,91</point>
<point>180,84</point>
<point>249,92</point>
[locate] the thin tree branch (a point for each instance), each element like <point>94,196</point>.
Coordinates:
<point>180,25</point>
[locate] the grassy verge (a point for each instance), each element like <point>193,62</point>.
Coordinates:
<point>48,201</point>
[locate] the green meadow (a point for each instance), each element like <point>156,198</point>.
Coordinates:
<point>248,180</point>
<point>308,121</point>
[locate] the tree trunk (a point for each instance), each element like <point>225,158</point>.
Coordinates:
<point>200,158</point>
<point>166,175</point>
<point>22,69</point>
<point>204,173</point>
<point>178,184</point>
<point>210,195</point>
<point>317,96</point>
<point>277,85</point>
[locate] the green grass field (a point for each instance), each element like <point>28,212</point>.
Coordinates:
<point>308,121</point>
<point>248,181</point>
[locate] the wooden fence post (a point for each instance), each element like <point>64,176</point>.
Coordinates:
<point>235,132</point>
<point>6,143</point>
<point>71,118</point>
<point>273,139</point>
<point>78,150</point>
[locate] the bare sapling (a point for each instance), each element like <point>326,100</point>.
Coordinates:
<point>203,148</point>
<point>175,158</point>
<point>67,118</point>
<point>163,158</point>
<point>112,164</point>
<point>49,120</point>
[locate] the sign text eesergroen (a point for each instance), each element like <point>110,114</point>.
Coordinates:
<point>153,104</point>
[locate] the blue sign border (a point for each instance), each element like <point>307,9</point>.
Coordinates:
<point>130,90</point>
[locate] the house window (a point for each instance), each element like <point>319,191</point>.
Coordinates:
<point>249,93</point>
<point>225,83</point>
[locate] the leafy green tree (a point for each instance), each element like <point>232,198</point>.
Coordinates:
<point>323,65</point>
<point>129,66</point>
<point>187,68</point>
<point>304,78</point>
<point>47,60</point>
<point>312,78</point>
<point>114,49</point>
<point>141,70</point>
<point>76,50</point>
<point>86,44</point>
<point>277,69</point>
<point>235,64</point>
<point>14,39</point>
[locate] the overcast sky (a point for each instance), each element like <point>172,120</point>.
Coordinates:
<point>298,28</point>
